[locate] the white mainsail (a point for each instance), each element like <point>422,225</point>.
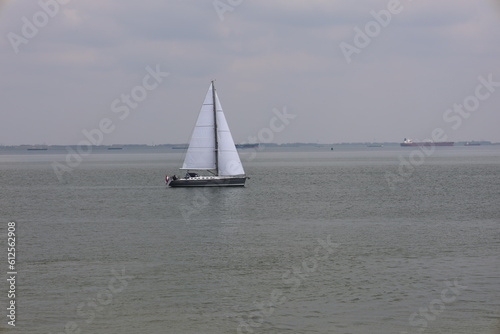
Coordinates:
<point>204,152</point>
<point>200,153</point>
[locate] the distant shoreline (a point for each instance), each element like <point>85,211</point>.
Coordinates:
<point>181,147</point>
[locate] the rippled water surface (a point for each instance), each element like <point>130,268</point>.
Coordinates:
<point>319,241</point>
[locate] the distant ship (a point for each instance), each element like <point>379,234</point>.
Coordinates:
<point>469,143</point>
<point>409,142</point>
<point>247,145</point>
<point>37,148</point>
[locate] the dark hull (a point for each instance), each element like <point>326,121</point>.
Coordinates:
<point>209,182</point>
<point>442,143</point>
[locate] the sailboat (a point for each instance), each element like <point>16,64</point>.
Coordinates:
<point>211,151</point>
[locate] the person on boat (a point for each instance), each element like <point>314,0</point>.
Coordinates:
<point>174,177</point>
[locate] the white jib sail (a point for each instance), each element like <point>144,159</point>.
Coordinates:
<point>200,153</point>
<point>229,161</point>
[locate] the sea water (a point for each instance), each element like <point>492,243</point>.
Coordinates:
<point>350,240</point>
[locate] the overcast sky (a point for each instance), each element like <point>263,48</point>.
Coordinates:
<point>65,68</point>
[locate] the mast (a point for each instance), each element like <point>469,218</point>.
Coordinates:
<point>216,150</point>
